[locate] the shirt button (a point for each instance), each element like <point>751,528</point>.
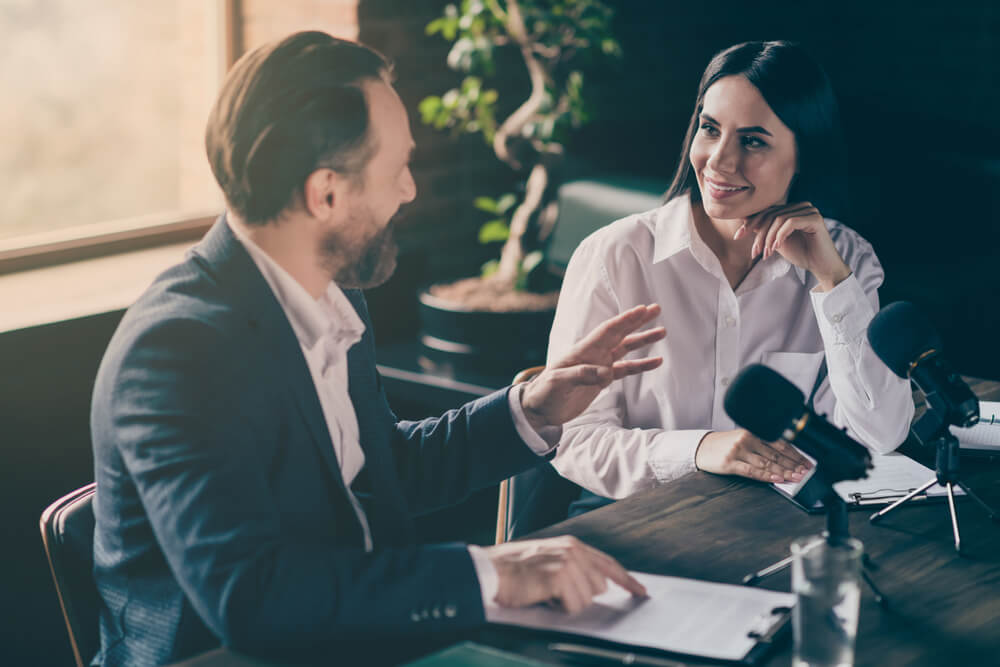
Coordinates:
<point>725,381</point>
<point>837,318</point>
<point>436,612</point>
<point>415,616</point>
<point>730,321</point>
<point>450,611</point>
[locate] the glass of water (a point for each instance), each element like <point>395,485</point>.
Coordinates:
<point>826,583</point>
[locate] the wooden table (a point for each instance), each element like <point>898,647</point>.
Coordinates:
<point>944,608</point>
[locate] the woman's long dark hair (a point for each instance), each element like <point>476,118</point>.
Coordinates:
<point>799,92</point>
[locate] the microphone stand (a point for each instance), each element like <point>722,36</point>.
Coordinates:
<point>836,534</point>
<point>947,472</point>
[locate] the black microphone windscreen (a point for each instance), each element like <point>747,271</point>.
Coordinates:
<point>763,402</point>
<point>899,334</point>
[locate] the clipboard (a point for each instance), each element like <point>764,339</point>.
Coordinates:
<point>682,617</point>
<point>893,477</point>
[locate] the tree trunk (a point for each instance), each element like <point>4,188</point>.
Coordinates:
<point>513,249</point>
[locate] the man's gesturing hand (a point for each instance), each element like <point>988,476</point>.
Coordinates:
<point>565,389</point>
<point>561,570</point>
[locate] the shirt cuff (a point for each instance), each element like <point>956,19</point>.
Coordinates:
<point>672,453</point>
<point>541,442</point>
<point>489,581</point>
<point>843,313</point>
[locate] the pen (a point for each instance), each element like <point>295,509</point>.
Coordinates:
<point>620,657</point>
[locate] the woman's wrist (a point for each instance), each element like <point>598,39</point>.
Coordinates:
<point>827,280</point>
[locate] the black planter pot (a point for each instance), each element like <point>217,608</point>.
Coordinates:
<point>501,343</point>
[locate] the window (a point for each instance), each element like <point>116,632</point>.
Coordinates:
<point>103,119</point>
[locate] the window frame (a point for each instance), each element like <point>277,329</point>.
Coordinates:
<point>98,239</point>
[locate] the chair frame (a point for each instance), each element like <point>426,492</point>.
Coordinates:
<point>47,524</point>
<point>503,500</point>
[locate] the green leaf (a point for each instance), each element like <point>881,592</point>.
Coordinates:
<point>487,204</point>
<point>429,108</point>
<point>505,203</point>
<point>489,268</point>
<point>434,26</point>
<point>531,260</point>
<point>494,230</point>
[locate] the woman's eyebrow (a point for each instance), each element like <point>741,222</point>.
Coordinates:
<point>757,129</point>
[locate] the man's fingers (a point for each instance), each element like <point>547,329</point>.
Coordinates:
<point>596,580</point>
<point>610,333</point>
<point>614,571</point>
<point>585,374</point>
<point>573,589</point>
<point>628,367</point>
<point>638,340</point>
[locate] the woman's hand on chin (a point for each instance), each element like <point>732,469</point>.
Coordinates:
<point>798,233</point>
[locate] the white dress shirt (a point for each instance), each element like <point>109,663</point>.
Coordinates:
<point>644,429</point>
<point>326,329</point>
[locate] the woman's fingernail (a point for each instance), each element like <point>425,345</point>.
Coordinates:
<point>775,478</point>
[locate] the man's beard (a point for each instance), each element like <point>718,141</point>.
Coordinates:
<point>363,268</point>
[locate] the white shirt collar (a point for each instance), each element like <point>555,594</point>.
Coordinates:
<point>675,231</point>
<point>311,319</point>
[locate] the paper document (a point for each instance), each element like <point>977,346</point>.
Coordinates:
<point>698,618</point>
<point>985,434</point>
<point>893,476</point>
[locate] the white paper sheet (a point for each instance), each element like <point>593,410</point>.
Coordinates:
<point>681,615</point>
<point>893,476</point>
<point>985,434</point>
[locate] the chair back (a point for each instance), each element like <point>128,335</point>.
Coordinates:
<point>534,498</point>
<point>68,537</point>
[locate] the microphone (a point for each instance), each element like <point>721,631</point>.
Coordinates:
<point>770,407</point>
<point>907,343</point>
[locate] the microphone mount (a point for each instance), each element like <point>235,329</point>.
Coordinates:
<point>932,429</point>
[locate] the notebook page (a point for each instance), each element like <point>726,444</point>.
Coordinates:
<point>985,434</point>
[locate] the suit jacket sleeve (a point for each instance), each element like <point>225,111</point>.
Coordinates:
<point>185,420</point>
<point>441,460</point>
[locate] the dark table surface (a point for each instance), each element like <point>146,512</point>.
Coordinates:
<point>944,608</point>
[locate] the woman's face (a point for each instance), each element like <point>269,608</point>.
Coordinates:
<point>743,155</point>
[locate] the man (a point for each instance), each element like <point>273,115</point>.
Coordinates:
<point>253,487</point>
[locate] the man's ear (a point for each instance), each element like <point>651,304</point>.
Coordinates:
<point>321,192</point>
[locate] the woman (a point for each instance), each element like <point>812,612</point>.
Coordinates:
<point>746,268</point>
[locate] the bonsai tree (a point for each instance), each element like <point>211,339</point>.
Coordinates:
<point>552,37</point>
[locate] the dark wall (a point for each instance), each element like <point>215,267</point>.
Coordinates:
<point>919,87</point>
<point>46,377</point>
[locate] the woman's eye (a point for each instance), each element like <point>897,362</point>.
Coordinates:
<point>753,142</point>
<point>710,130</point>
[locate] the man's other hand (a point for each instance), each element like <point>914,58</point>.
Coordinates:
<point>565,388</point>
<point>558,570</point>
